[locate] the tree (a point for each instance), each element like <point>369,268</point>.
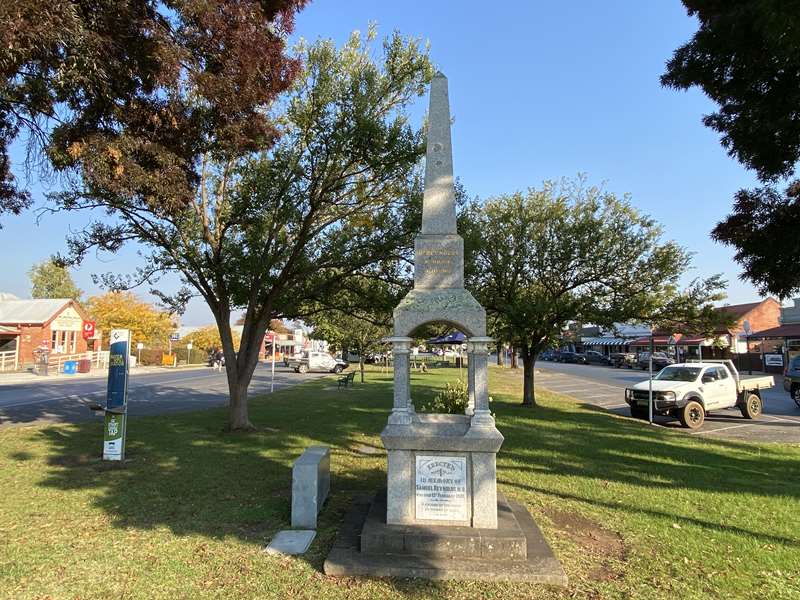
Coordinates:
<point>207,338</point>
<point>77,73</point>
<point>568,253</point>
<point>745,57</point>
<point>269,231</point>
<point>343,330</point>
<point>123,310</point>
<point>51,280</point>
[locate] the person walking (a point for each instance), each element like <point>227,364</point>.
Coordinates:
<point>219,360</point>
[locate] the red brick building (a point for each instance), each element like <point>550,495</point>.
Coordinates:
<point>29,325</point>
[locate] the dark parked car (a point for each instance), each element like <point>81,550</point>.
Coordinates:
<point>596,358</point>
<point>548,355</point>
<point>791,379</point>
<point>660,360</point>
<point>564,356</point>
<point>623,359</point>
<point>573,357</point>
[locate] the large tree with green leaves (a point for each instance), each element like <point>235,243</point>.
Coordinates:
<point>269,232</point>
<point>746,57</point>
<point>52,280</point>
<point>160,81</point>
<point>569,252</point>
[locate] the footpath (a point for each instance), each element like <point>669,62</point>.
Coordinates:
<point>22,377</point>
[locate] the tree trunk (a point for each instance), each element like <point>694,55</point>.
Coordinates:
<point>528,392</point>
<point>240,367</point>
<point>361,366</point>
<point>238,417</point>
<point>500,354</point>
<point>513,357</point>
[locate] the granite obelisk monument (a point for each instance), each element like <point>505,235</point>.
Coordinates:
<point>441,516</point>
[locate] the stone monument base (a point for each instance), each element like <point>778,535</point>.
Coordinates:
<point>515,551</point>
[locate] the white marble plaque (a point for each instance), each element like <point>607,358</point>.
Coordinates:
<point>441,491</point>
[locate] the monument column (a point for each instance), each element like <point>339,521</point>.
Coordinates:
<point>401,408</point>
<point>482,416</point>
<point>470,410</point>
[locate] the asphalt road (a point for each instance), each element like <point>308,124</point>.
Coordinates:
<point>63,400</point>
<point>604,387</point>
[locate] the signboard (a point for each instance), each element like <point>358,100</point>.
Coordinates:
<point>117,395</point>
<point>140,346</point>
<point>441,488</point>
<point>773,360</point>
<point>174,337</point>
<point>68,320</point>
<point>88,329</point>
<point>114,436</point>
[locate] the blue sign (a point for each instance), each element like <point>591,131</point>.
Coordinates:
<point>70,367</point>
<point>117,394</point>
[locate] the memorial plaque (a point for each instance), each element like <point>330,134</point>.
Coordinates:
<point>441,491</point>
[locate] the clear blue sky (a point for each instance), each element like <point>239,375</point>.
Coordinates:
<point>538,91</point>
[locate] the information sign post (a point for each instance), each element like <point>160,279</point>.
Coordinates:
<point>116,412</point>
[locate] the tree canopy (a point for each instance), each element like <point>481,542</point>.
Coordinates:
<point>746,57</point>
<point>268,232</point>
<point>207,338</point>
<point>570,252</point>
<point>52,280</point>
<point>123,310</point>
<point>110,76</point>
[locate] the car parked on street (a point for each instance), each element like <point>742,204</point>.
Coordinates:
<point>596,358</point>
<point>548,355</point>
<point>573,357</point>
<point>317,361</point>
<point>623,359</point>
<point>791,379</point>
<point>688,391</point>
<point>660,360</point>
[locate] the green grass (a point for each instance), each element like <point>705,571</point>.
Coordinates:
<point>631,511</point>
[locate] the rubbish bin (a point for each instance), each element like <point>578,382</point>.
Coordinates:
<point>84,365</point>
<point>70,367</point>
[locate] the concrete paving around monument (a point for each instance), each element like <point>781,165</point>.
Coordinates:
<point>291,542</point>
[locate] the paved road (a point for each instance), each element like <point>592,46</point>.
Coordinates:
<point>603,386</point>
<point>64,400</point>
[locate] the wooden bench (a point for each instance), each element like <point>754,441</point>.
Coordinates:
<point>346,380</point>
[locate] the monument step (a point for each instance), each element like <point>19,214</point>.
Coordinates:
<point>507,542</point>
<point>346,558</point>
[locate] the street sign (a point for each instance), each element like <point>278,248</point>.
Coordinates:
<point>117,395</point>
<point>746,326</point>
<point>88,329</point>
<point>140,346</point>
<point>174,337</point>
<point>189,346</point>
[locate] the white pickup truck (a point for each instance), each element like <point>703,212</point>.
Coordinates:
<point>688,391</point>
<point>316,361</point>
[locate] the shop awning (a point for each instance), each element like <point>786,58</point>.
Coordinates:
<point>659,340</point>
<point>604,341</point>
<point>6,330</point>
<point>451,338</point>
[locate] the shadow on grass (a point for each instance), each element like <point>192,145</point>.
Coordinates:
<point>184,472</point>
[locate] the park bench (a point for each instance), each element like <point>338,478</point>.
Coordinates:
<point>346,380</point>
<point>311,482</point>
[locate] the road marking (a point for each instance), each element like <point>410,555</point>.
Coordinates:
<point>721,429</point>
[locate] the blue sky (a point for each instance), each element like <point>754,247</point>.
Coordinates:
<point>538,91</point>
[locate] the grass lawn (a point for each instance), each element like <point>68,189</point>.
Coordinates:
<point>631,511</point>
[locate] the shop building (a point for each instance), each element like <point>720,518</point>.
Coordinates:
<point>29,326</point>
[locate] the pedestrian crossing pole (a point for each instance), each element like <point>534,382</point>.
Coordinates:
<point>116,411</point>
